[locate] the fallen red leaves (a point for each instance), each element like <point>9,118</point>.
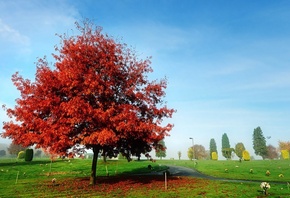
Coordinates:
<point>123,185</point>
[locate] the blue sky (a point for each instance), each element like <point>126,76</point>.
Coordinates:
<point>227,62</point>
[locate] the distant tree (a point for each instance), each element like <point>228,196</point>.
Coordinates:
<point>239,149</point>
<point>272,152</point>
<point>3,146</point>
<point>199,152</point>
<point>284,145</point>
<point>208,155</point>
<point>38,153</point>
<point>226,148</point>
<point>160,150</point>
<point>14,149</point>
<point>212,147</point>
<point>228,153</point>
<point>190,153</point>
<point>284,148</point>
<point>259,143</point>
<point>179,154</point>
<point>2,153</point>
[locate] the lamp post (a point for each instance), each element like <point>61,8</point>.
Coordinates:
<point>192,147</point>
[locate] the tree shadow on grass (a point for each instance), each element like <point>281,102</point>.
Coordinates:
<point>131,179</point>
<point>142,175</point>
<point>22,162</point>
<point>147,169</point>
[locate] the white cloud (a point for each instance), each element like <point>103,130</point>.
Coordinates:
<point>29,27</point>
<point>7,33</point>
<point>13,40</point>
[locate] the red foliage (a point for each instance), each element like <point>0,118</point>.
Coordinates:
<point>98,96</point>
<point>123,185</point>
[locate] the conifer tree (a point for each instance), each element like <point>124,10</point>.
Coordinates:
<point>179,154</point>
<point>259,143</point>
<point>226,148</point>
<point>212,147</point>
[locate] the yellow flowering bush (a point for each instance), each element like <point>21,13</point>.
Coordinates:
<point>214,156</point>
<point>285,154</point>
<point>21,155</point>
<point>246,155</point>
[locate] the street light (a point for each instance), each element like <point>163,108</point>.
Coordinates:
<point>192,147</point>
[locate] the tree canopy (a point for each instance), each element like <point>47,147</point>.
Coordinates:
<point>179,154</point>
<point>272,152</point>
<point>97,96</point>
<point>199,152</point>
<point>14,149</point>
<point>226,148</point>
<point>239,149</point>
<point>284,145</point>
<point>259,143</point>
<point>160,150</point>
<point>190,153</point>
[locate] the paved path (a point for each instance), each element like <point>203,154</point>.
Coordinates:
<point>183,171</point>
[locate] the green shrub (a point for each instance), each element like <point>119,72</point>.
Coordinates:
<point>21,155</point>
<point>28,155</point>
<point>2,153</point>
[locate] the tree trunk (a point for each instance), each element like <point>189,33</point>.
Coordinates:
<point>94,166</point>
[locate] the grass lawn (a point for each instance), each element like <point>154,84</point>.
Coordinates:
<point>34,179</point>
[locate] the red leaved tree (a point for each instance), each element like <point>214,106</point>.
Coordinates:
<point>98,97</point>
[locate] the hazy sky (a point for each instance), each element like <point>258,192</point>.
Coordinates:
<point>227,62</point>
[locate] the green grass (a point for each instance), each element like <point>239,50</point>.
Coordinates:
<point>34,179</point>
<point>18,173</point>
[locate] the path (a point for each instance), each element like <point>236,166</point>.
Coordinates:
<point>183,171</point>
